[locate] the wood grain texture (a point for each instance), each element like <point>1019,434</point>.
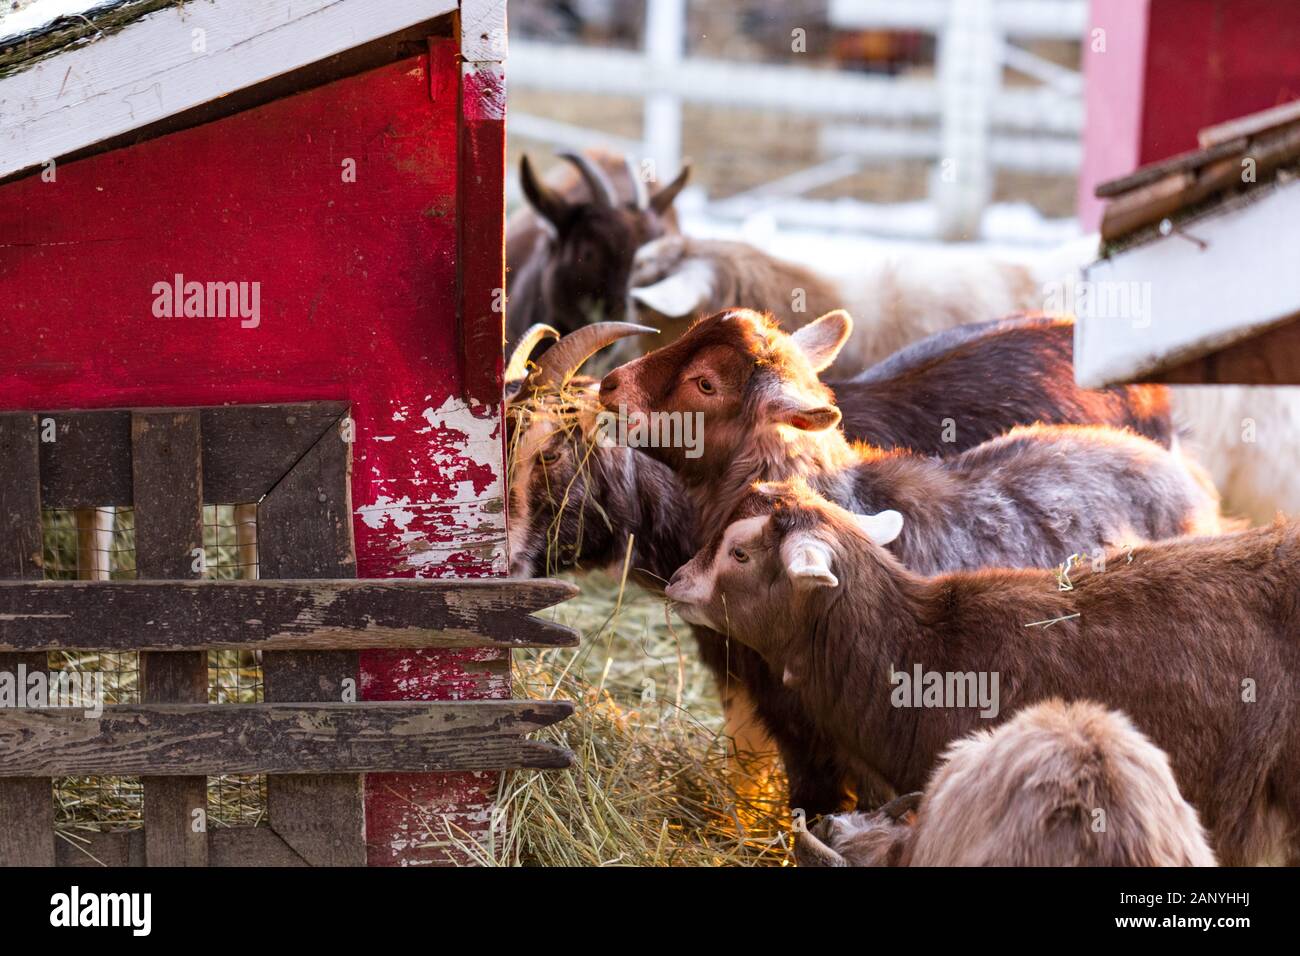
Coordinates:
<point>1269,358</point>
<point>190,739</point>
<point>234,846</point>
<point>246,450</point>
<point>279,615</point>
<point>149,71</point>
<point>306,530</point>
<point>26,804</point>
<point>167,485</point>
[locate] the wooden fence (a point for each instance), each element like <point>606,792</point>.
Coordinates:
<point>307,614</point>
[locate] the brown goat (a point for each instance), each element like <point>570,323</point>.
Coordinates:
<point>1044,492</point>
<point>574,502</point>
<point>576,271</point>
<point>1195,639</point>
<point>1056,785</point>
<point>764,407</point>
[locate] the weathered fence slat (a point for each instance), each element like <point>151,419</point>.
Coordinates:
<point>167,482</point>
<point>246,450</point>
<point>327,738</point>
<point>234,846</point>
<point>305,531</point>
<point>279,615</point>
<point>26,804</point>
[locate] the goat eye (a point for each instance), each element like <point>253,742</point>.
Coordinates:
<point>549,457</point>
<point>739,556</point>
<point>706,386</point>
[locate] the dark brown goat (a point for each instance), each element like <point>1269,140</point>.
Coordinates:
<point>525,228</point>
<point>576,271</point>
<point>1196,639</point>
<point>1056,785</point>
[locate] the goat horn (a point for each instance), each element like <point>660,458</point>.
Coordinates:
<point>642,195</point>
<point>602,190</point>
<point>558,364</point>
<point>518,367</point>
<point>900,806</point>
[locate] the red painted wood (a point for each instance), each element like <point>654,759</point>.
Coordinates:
<point>1215,60</point>
<point>481,219</point>
<point>358,301</point>
<point>1172,67</point>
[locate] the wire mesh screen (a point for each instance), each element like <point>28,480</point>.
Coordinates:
<point>98,544</point>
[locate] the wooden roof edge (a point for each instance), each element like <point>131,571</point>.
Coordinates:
<point>147,73</point>
<point>18,51</point>
<point>1192,183</point>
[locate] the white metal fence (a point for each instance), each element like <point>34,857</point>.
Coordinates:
<point>963,123</point>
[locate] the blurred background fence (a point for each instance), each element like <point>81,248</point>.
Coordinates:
<point>889,117</point>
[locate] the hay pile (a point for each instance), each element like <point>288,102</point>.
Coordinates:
<point>650,785</point>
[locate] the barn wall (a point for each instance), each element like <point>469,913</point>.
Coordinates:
<point>358,300</point>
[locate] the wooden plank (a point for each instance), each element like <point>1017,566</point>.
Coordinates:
<point>1250,125</point>
<point>305,529</point>
<point>183,740</point>
<point>228,846</point>
<point>480,198</point>
<point>26,804</point>
<point>246,450</point>
<point>149,71</point>
<point>1146,204</point>
<point>1184,162</point>
<point>280,615</point>
<point>167,477</point>
<point>1271,357</point>
<point>1179,191</point>
<point>88,464</point>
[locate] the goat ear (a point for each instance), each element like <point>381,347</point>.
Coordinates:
<point>881,528</point>
<point>803,412</point>
<point>821,340</point>
<point>549,204</point>
<point>663,198</point>
<point>808,563</point>
<point>683,293</point>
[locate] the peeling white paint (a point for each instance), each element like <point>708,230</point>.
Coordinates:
<point>386,510</point>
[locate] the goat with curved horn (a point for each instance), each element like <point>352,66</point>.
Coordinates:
<point>517,368</point>
<point>602,190</point>
<point>563,359</point>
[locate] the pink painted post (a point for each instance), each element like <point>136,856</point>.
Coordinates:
<point>1114,69</point>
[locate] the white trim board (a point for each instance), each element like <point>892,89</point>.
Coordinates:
<point>1193,300</point>
<point>149,71</point>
